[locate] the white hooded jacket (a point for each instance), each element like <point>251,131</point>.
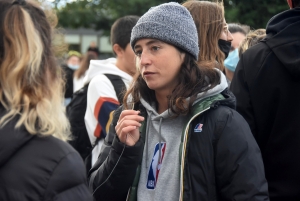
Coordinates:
<point>101,99</point>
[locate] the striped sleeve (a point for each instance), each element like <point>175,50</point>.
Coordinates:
<point>101,102</point>
<point>103,113</point>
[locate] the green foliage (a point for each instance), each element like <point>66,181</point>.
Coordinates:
<point>255,13</point>
<point>100,14</point>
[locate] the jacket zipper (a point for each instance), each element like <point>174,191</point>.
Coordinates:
<point>184,150</point>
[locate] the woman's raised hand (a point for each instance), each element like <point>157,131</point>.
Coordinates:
<point>128,126</point>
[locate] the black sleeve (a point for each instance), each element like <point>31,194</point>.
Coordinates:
<point>239,167</point>
<point>114,171</point>
<point>240,89</point>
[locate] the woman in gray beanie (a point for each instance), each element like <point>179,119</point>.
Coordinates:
<point>177,136</point>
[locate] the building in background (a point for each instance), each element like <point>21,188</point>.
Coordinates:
<point>80,39</point>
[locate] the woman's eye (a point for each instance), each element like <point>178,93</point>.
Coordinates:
<point>155,48</point>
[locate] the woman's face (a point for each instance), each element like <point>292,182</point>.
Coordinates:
<point>159,63</point>
<point>238,37</point>
<point>225,34</point>
<point>73,60</point>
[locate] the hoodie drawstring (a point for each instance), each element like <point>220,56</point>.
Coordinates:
<point>160,137</point>
<point>147,133</point>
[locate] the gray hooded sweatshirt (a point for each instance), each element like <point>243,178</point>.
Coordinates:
<point>159,178</point>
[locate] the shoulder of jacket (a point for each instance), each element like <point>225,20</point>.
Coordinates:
<point>218,118</point>
<point>61,148</point>
<point>100,78</point>
<point>219,113</point>
<point>260,48</point>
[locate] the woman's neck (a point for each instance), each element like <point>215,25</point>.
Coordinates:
<point>162,100</point>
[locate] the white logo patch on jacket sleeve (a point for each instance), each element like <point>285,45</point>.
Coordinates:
<point>198,128</point>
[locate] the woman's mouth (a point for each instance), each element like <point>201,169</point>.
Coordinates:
<point>148,74</point>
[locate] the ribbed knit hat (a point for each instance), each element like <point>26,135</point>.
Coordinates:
<point>171,23</point>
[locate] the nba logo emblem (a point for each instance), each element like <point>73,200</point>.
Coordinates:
<point>155,165</point>
<point>198,128</point>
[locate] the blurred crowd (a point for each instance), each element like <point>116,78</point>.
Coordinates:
<point>190,107</point>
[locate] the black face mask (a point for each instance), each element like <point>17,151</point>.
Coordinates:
<point>224,46</point>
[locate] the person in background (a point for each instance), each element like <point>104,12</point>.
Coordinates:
<point>266,84</point>
<point>239,33</point>
<point>214,37</point>
<point>252,38</point>
<point>177,136</point>
<point>72,64</point>
<point>102,98</point>
<point>35,162</point>
<point>94,49</point>
<point>81,71</point>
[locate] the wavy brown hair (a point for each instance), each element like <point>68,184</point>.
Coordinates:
<point>209,18</point>
<point>85,63</point>
<point>31,84</point>
<point>192,80</point>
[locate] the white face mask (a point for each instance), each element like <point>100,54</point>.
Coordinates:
<point>74,67</point>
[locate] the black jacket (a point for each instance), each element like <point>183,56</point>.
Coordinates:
<point>68,74</point>
<point>34,168</point>
<point>223,162</point>
<point>266,84</point>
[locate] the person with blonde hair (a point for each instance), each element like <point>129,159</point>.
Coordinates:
<point>214,37</point>
<point>72,64</point>
<point>35,162</point>
<point>252,38</point>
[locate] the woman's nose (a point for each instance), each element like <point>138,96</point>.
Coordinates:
<point>229,36</point>
<point>145,59</point>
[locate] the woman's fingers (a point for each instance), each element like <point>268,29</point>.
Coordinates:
<point>130,115</point>
<point>128,125</point>
<point>129,135</point>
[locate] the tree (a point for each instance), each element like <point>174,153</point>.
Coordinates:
<point>100,14</point>
<point>255,13</point>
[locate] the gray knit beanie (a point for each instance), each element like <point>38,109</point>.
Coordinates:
<point>171,23</point>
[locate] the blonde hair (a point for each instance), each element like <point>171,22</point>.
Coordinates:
<point>31,84</point>
<point>252,38</point>
<point>209,19</point>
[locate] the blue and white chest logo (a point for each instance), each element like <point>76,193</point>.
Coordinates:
<point>198,128</point>
<point>155,166</point>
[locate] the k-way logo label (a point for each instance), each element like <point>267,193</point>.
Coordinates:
<point>198,128</point>
<point>155,165</point>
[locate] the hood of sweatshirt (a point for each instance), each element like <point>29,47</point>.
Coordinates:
<point>283,38</point>
<point>12,139</point>
<point>107,66</point>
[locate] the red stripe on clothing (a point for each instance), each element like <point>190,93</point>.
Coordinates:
<point>97,109</point>
<point>100,103</point>
<point>97,131</point>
